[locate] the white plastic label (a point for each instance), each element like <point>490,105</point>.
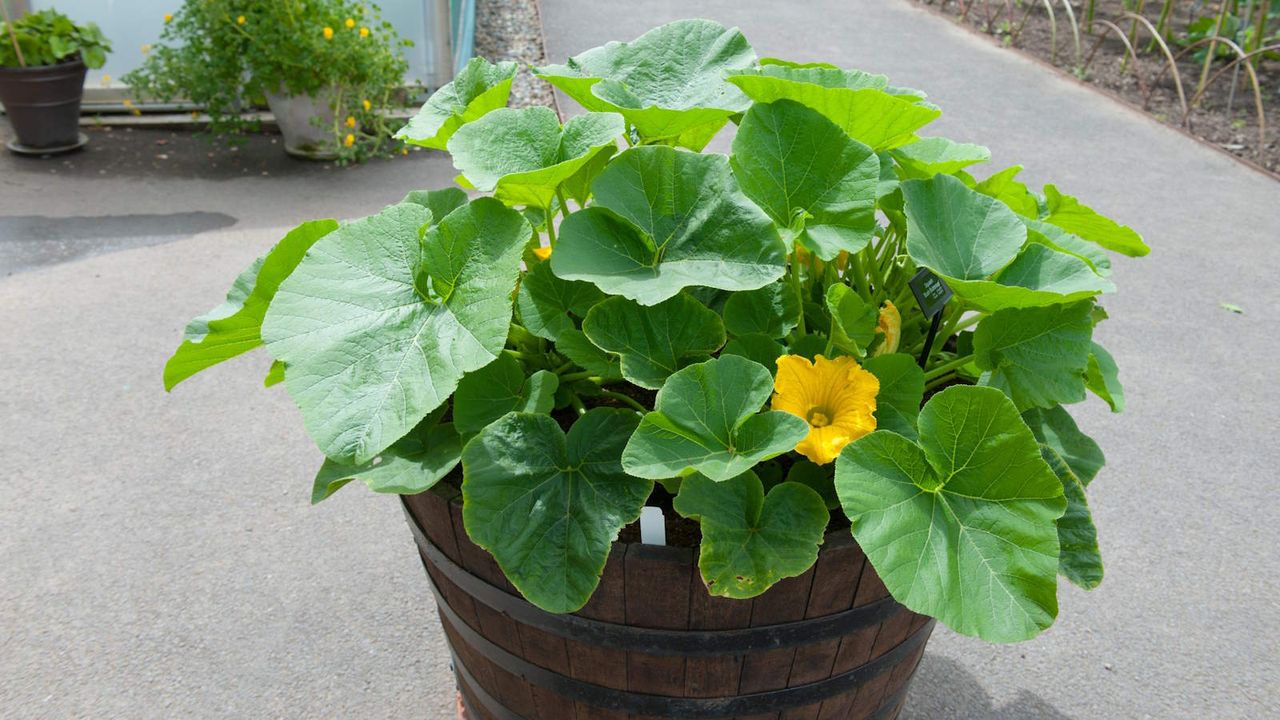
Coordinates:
<point>653,526</point>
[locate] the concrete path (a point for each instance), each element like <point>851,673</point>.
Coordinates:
<point>1186,625</point>
<point>158,557</point>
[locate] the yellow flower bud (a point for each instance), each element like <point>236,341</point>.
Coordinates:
<point>240,20</point>
<point>328,33</point>
<point>350,23</point>
<point>889,325</point>
<point>168,18</point>
<point>542,253</point>
<point>349,140</point>
<point>351,121</point>
<point>366,105</point>
<point>364,32</point>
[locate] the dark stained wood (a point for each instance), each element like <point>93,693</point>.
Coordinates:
<point>659,587</point>
<point>658,579</point>
<point>713,676</point>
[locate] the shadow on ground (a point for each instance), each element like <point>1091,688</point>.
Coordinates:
<point>944,690</point>
<point>31,241</point>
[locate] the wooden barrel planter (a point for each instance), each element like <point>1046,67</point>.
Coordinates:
<point>652,643</point>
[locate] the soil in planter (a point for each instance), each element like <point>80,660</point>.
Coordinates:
<point>1230,123</point>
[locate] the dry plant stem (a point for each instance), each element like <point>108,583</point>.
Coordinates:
<point>1075,29</point>
<point>1108,25</point>
<point>1053,31</point>
<point>1173,66</point>
<point>13,33</point>
<point>1133,26</point>
<point>1026,15</point>
<point>1213,49</point>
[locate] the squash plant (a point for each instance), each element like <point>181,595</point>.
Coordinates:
<point>622,318</point>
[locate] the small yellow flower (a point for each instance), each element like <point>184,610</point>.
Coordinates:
<point>350,23</point>
<point>836,397</point>
<point>366,105</point>
<point>106,80</point>
<point>889,325</point>
<point>168,18</point>
<point>195,115</point>
<point>349,140</point>
<point>364,32</point>
<point>240,20</point>
<point>351,121</point>
<point>542,253</point>
<point>127,103</point>
<point>328,33</point>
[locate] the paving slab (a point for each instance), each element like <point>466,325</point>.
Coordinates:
<point>158,556</point>
<point>1186,624</point>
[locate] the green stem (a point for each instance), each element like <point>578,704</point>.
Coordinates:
<point>624,399</point>
<point>575,377</point>
<point>876,276</point>
<point>567,366</point>
<point>551,228</point>
<point>859,276</point>
<point>795,284</point>
<point>948,367</point>
<point>576,402</point>
<point>935,384</point>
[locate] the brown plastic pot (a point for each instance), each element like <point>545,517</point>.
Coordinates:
<point>43,103</point>
<point>652,643</point>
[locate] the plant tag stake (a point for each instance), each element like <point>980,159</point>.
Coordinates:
<point>932,294</point>
<point>653,526</point>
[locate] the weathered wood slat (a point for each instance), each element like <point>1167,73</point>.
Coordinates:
<point>515,662</point>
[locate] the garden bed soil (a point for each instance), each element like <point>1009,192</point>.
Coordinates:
<point>1227,122</point>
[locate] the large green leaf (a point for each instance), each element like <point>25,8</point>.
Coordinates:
<point>523,156</point>
<point>1079,559</point>
<point>549,506</point>
<point>235,326</point>
<point>654,341</point>
<point>757,347</point>
<point>411,465</point>
<point>1005,187</point>
<point>1063,241</point>
<point>481,87</point>
<point>439,202</point>
<point>958,232</point>
<point>867,111</point>
<point>962,526</point>
<point>901,392</point>
<point>853,320</point>
<point>1075,458</point>
<point>666,219</point>
<point>498,388</point>
<point>938,156</point>
<point>1103,378</point>
<point>1038,356</point>
<point>773,310</point>
<point>706,419</point>
<point>1067,213</point>
<point>548,305</point>
<point>1039,276</point>
<point>379,322</point>
<point>668,83</point>
<point>575,345</point>
<point>1055,428</point>
<point>750,541</point>
<point>808,175</point>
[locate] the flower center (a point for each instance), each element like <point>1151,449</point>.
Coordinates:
<point>818,418</point>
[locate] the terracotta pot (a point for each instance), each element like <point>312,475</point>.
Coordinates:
<point>652,643</point>
<point>306,121</point>
<point>43,104</point>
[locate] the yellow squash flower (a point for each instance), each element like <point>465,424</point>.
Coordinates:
<point>349,140</point>
<point>168,18</point>
<point>328,33</point>
<point>889,325</point>
<point>366,105</point>
<point>351,121</point>
<point>364,32</point>
<point>350,23</point>
<point>240,20</point>
<point>836,397</point>
<point>542,253</point>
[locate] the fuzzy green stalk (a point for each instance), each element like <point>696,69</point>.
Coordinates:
<point>947,368</point>
<point>625,400</point>
<point>859,276</point>
<point>794,276</point>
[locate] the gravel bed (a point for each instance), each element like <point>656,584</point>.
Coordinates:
<point>512,30</point>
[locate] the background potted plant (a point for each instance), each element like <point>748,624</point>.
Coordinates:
<point>326,68</point>
<point>836,362</point>
<point>43,60</point>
